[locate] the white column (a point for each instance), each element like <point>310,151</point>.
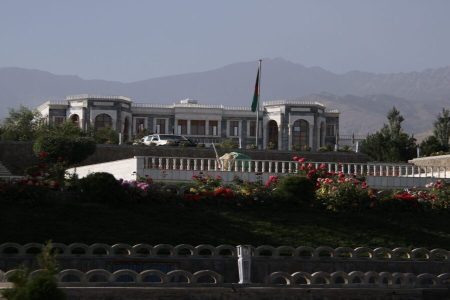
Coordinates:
<point>244,263</point>
<point>207,128</point>
<point>289,137</point>
<point>188,127</point>
<point>311,132</point>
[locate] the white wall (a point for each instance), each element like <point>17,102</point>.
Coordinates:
<point>121,169</point>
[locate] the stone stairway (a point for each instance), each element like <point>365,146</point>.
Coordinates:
<point>4,172</point>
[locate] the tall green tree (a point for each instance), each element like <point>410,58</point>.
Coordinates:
<point>441,129</point>
<point>21,124</point>
<point>390,144</point>
<point>439,141</point>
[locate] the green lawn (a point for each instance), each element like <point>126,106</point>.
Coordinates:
<point>201,224</point>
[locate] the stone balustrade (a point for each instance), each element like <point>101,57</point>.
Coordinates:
<point>8,250</point>
<point>339,279</point>
<point>358,279</point>
<point>284,167</point>
<point>71,277</point>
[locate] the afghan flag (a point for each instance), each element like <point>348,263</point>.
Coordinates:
<point>256,94</point>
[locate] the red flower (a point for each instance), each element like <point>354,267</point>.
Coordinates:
<point>43,155</point>
<point>405,196</point>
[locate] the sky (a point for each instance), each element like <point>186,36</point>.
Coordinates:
<point>130,40</point>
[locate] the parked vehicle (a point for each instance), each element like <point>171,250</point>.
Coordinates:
<point>166,140</point>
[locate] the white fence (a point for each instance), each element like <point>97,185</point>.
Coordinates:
<point>378,175</point>
<point>271,166</point>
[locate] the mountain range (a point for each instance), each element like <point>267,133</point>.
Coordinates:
<point>363,98</point>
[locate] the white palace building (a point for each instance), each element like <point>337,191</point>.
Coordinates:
<point>284,124</point>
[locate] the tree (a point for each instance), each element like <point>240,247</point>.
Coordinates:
<point>439,141</point>
<point>67,128</point>
<point>442,129</point>
<point>106,135</point>
<point>21,124</point>
<point>390,144</point>
<point>62,146</point>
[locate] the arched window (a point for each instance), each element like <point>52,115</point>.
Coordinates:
<point>103,121</point>
<point>273,135</point>
<point>75,119</point>
<point>300,135</point>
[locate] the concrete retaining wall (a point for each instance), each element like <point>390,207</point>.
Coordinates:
<point>434,161</point>
<point>237,292</point>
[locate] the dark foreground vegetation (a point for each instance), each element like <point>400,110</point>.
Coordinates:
<point>196,223</point>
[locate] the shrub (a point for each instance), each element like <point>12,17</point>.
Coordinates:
<point>296,189</point>
<point>101,187</point>
<point>340,193</point>
<point>41,287</point>
<point>106,135</point>
<point>228,144</point>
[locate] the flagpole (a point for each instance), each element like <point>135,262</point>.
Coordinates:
<point>257,105</point>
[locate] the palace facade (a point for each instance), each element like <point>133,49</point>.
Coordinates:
<point>283,124</point>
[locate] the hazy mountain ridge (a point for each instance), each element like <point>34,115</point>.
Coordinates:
<point>363,98</point>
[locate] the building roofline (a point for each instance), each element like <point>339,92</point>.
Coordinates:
<point>96,97</point>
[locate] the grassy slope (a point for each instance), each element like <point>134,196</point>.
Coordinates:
<point>153,224</point>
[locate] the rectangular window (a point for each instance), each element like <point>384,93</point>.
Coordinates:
<point>161,126</point>
<point>182,127</point>
<point>140,125</point>
<point>234,128</point>
<point>58,120</point>
<point>252,128</point>
<point>330,130</point>
<point>213,128</point>
<point>198,127</point>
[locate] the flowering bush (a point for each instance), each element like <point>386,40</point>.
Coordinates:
<point>248,193</point>
<point>440,194</point>
<point>203,187</point>
<point>310,171</point>
<point>339,193</point>
<point>137,189</point>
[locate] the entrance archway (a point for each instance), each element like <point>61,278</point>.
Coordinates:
<point>75,119</point>
<point>300,135</point>
<point>272,141</point>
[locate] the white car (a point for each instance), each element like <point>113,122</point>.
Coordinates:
<point>165,140</point>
